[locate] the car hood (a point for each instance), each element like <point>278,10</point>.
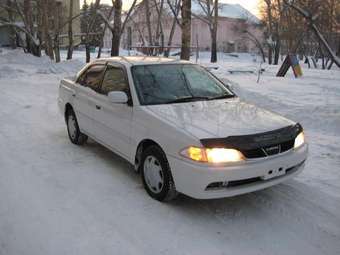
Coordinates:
<point>219,118</point>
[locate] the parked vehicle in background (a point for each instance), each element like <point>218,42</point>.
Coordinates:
<point>181,127</point>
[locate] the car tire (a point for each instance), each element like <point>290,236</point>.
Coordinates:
<point>156,174</point>
<point>76,137</point>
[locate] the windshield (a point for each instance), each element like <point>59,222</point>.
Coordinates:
<point>175,83</point>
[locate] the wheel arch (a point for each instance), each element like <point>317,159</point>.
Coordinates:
<point>67,108</point>
<point>145,143</point>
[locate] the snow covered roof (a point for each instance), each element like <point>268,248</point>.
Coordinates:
<point>234,11</point>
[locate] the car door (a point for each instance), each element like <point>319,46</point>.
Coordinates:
<point>112,122</point>
<point>86,89</point>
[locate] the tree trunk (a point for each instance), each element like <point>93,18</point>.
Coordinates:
<point>173,27</point>
<point>56,49</point>
<point>159,21</point>
<point>28,15</point>
<point>46,29</point>
<point>270,30</point>
<point>103,34</point>
<point>277,51</point>
<point>27,10</point>
<point>270,55</point>
<point>87,52</point>
<point>70,32</point>
<point>186,29</point>
<point>213,58</point>
<point>171,35</point>
<point>13,33</point>
<point>100,51</point>
<point>148,23</point>
<point>57,14</point>
<point>117,25</point>
<point>89,29</point>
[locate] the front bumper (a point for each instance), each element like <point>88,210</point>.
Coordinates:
<point>193,179</point>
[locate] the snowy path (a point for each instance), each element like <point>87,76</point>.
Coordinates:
<point>57,198</point>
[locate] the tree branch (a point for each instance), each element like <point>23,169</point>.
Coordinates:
<point>8,24</point>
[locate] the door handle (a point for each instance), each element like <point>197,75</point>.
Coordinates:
<point>98,107</point>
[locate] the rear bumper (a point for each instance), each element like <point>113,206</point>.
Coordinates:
<point>193,178</point>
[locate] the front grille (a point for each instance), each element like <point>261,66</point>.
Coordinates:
<point>262,152</point>
<point>254,153</point>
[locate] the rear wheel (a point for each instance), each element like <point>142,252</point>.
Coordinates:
<point>73,130</point>
<point>156,174</point>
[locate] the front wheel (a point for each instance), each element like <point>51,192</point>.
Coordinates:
<point>156,175</point>
<point>73,130</point>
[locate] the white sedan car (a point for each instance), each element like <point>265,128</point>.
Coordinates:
<point>181,127</point>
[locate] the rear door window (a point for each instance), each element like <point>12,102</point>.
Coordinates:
<point>92,77</point>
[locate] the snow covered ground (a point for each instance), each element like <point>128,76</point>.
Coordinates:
<point>58,198</point>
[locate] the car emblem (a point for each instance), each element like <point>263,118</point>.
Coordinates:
<point>272,150</point>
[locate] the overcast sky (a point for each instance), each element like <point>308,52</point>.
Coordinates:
<point>251,5</point>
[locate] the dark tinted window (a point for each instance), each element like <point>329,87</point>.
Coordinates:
<point>92,77</point>
<point>114,80</point>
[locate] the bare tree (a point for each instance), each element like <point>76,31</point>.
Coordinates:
<point>148,22</point>
<point>186,29</point>
<point>311,23</point>
<point>57,24</point>
<point>270,29</point>
<point>103,34</point>
<point>210,17</point>
<point>175,9</point>
<point>277,37</point>
<point>28,21</point>
<point>159,38</point>
<point>24,12</point>
<point>17,27</point>
<point>10,12</point>
<point>46,28</point>
<point>89,28</point>
<point>70,31</point>
<point>117,26</point>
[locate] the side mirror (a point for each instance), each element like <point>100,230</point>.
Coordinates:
<point>118,97</point>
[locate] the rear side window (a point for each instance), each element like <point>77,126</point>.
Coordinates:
<point>92,77</point>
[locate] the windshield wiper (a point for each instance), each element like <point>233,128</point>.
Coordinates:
<point>222,96</point>
<point>186,99</point>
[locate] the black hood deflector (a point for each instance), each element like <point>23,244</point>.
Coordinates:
<point>255,141</point>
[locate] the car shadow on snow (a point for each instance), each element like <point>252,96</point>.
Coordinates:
<point>278,198</point>
<point>292,206</point>
<point>103,158</point>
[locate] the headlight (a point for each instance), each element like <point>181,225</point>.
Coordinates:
<point>299,140</point>
<point>212,155</point>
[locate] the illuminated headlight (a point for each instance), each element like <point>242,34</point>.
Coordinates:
<point>299,140</point>
<point>212,155</point>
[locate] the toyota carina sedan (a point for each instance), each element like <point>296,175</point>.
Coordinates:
<point>182,128</point>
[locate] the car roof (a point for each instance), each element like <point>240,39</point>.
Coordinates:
<point>143,60</point>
